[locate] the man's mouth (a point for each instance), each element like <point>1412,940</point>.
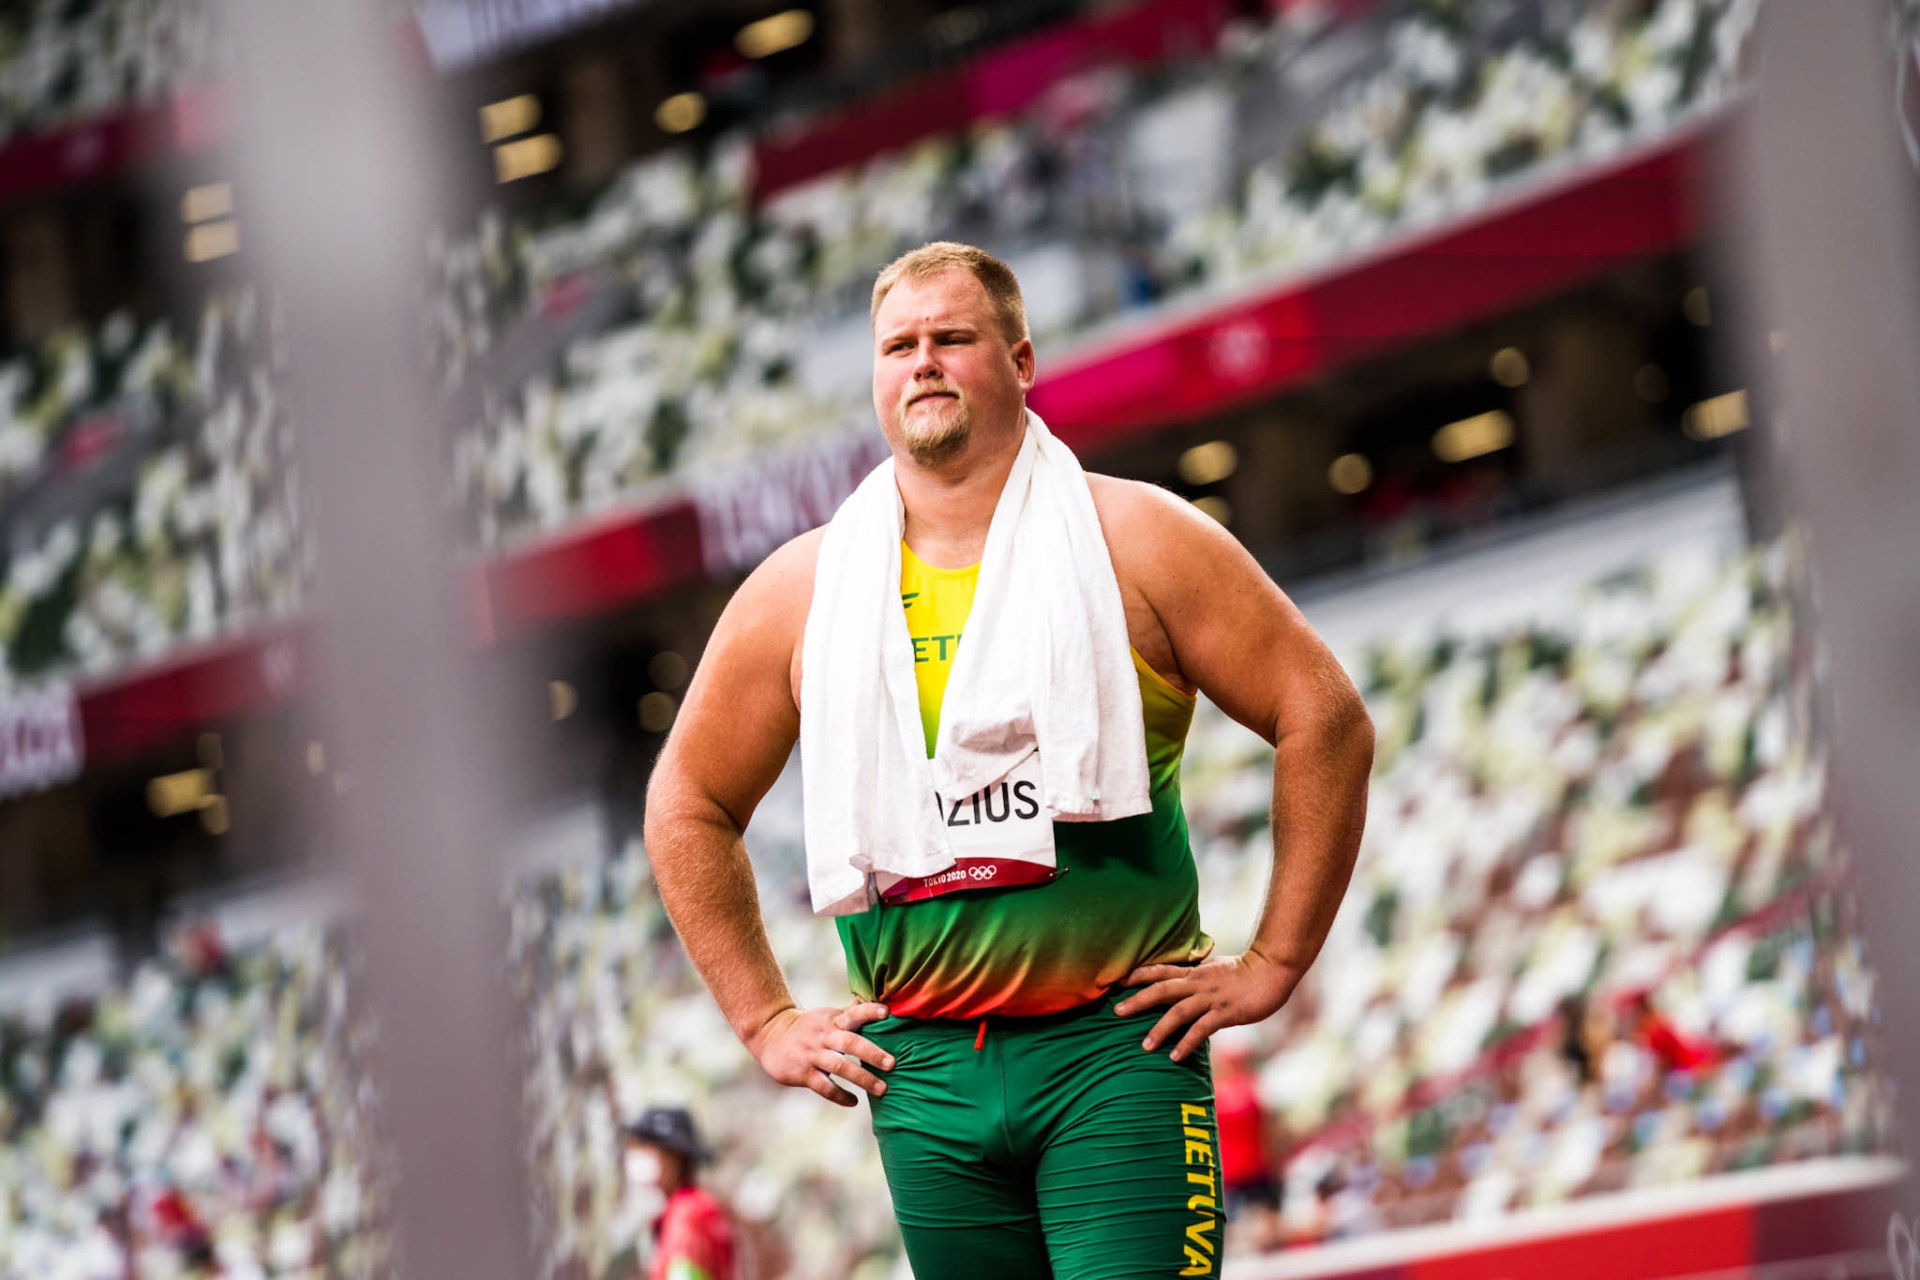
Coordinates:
<point>933,395</point>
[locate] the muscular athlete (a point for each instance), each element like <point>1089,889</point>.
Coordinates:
<point>1024,1126</point>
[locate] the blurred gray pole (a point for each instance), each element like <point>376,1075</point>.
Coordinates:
<point>338,180</point>
<point>1836,215</point>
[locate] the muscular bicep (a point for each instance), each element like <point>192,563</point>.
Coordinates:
<point>1234,633</point>
<point>738,723</point>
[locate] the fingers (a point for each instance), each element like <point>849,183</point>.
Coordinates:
<point>1148,973</point>
<point>1173,1019</point>
<point>855,1016</point>
<point>1197,1034</point>
<point>826,1088</point>
<point>1161,992</point>
<point>818,1053</point>
<point>860,1047</point>
<point>850,1070</point>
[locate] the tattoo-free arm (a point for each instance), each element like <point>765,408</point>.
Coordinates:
<point>1238,638</point>
<point>732,737</point>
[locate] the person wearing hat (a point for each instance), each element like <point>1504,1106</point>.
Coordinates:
<point>693,1236</point>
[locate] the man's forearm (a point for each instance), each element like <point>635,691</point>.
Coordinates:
<point>706,883</point>
<point>1319,809</point>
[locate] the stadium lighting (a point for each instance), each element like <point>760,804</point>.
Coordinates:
<point>184,792</point>
<point>509,117</point>
<point>564,698</point>
<point>206,202</point>
<point>316,757</point>
<point>773,35</point>
<point>1350,473</point>
<point>1219,508</point>
<point>657,711</point>
<point>1509,367</point>
<point>1209,463</point>
<point>1471,437</point>
<point>681,112</point>
<point>212,240</point>
<point>513,161</point>
<point>1697,307</point>
<point>1720,416</point>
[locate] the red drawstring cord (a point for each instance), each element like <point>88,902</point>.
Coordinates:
<point>980,1039</point>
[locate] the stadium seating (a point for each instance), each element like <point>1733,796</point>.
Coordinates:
<point>177,516</point>
<point>207,1118</point>
<point>1623,793</point>
<point>739,329</point>
<point>1626,794</point>
<point>1117,191</point>
<point>1629,797</point>
<point>66,61</point>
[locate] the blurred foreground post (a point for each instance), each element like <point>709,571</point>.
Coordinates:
<point>1834,197</point>
<point>339,177</point>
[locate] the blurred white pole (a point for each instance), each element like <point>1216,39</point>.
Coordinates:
<point>339,175</point>
<point>1836,215</point>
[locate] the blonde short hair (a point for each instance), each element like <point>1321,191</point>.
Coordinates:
<point>995,276</point>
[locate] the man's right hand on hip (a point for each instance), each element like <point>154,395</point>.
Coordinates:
<point>806,1047</point>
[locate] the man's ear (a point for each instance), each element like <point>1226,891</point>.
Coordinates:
<point>1023,363</point>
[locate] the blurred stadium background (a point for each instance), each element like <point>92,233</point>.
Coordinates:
<point>1431,302</point>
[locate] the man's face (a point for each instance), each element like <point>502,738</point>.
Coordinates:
<point>652,1167</point>
<point>943,371</point>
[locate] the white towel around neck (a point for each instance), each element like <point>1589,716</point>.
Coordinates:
<point>1045,666</point>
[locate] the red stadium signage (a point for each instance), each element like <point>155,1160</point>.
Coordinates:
<point>41,745</point>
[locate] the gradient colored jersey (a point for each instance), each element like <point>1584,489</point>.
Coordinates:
<point>1125,893</point>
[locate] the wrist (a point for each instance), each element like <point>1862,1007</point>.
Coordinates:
<point>1274,958</point>
<point>760,1030</point>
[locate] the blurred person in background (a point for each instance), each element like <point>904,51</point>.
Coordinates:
<point>693,1235</point>
<point>1023,1127</point>
<point>1250,1189</point>
<point>1673,1051</point>
<point>1585,1033</point>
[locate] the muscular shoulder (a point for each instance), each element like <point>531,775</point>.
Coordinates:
<point>1154,536</point>
<point>1146,528</point>
<point>767,617</point>
<point>782,585</point>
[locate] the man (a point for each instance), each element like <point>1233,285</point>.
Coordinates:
<point>692,1238</point>
<point>1026,1131</point>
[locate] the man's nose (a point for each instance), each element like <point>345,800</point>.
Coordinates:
<point>924,365</point>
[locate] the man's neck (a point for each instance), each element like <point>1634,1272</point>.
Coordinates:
<point>950,506</point>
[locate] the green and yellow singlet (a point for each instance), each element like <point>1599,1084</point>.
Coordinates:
<point>1125,893</point>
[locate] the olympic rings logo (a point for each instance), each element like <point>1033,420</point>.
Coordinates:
<point>983,873</point>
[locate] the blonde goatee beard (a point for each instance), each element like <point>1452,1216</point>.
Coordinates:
<point>940,440</point>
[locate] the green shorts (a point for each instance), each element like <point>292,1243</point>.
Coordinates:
<point>1050,1148</point>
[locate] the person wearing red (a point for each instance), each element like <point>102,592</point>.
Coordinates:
<point>1246,1171</point>
<point>1675,1051</point>
<point>693,1238</point>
